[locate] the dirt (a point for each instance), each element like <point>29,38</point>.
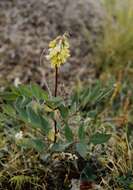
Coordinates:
<point>27,26</point>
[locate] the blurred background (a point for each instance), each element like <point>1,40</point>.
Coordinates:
<point>27,26</point>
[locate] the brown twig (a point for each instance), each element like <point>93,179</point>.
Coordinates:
<point>56,81</point>
<point>55,94</point>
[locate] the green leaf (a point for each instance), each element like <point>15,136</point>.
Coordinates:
<point>8,96</point>
<point>75,98</point>
<point>45,157</point>
<point>22,101</point>
<point>64,111</point>
<point>20,104</point>
<point>81,149</point>
<point>94,94</point>
<point>87,174</point>
<point>100,138</point>
<point>38,145</point>
<point>81,133</point>
<point>59,147</point>
<point>38,93</point>
<point>68,133</point>
<point>22,114</point>
<point>54,103</point>
<point>9,110</point>
<point>24,90</point>
<point>92,113</point>
<point>28,115</point>
<point>37,120</point>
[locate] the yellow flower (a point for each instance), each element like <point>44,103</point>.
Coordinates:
<point>58,51</point>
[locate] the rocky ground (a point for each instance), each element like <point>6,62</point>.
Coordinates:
<point>27,26</point>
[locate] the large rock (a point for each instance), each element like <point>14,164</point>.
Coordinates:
<point>26,27</point>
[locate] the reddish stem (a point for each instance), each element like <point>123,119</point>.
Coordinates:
<point>55,94</point>
<point>56,81</point>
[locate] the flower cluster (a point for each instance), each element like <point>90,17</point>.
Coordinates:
<point>58,51</point>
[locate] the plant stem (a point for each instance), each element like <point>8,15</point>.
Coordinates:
<point>56,81</point>
<point>55,94</point>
